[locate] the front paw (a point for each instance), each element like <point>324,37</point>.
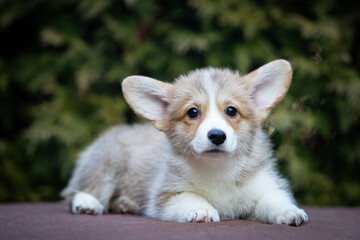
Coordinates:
<point>84,203</point>
<point>202,215</point>
<point>292,216</point>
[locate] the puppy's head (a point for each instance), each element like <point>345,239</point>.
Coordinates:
<point>210,112</point>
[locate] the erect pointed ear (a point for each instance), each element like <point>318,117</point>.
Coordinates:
<point>268,86</point>
<point>148,98</point>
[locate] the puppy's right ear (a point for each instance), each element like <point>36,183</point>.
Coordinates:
<point>148,98</point>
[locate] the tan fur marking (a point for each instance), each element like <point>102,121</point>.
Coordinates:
<point>232,121</point>
<point>191,125</point>
<point>164,197</point>
<point>191,95</point>
<point>231,96</point>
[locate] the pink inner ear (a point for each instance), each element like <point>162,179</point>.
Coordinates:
<point>159,107</point>
<point>262,95</point>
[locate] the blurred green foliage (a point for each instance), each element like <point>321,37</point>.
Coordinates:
<point>61,63</point>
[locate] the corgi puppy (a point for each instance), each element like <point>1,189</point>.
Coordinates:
<point>204,158</point>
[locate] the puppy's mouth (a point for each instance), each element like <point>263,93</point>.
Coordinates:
<point>214,151</point>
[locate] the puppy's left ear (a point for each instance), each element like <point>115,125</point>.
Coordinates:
<point>268,86</point>
<point>148,98</point>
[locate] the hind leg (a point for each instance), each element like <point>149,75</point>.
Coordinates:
<point>84,203</point>
<point>123,204</point>
<point>93,200</point>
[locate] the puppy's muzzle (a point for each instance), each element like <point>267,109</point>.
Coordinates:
<point>216,136</point>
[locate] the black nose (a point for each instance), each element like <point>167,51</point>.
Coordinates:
<point>216,136</point>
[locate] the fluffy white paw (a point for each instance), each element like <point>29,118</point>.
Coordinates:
<point>203,215</point>
<point>292,216</point>
<point>84,203</point>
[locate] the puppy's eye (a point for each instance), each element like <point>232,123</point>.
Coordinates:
<point>193,113</point>
<point>231,111</point>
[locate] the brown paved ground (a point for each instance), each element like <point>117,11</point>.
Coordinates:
<point>52,221</point>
